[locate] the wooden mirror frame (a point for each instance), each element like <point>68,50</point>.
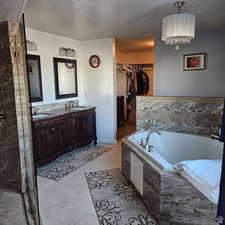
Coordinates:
<point>36,57</point>
<point>63,60</point>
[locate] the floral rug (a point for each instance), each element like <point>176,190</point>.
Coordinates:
<point>115,199</point>
<point>71,161</point>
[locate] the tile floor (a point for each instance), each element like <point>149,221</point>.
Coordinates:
<point>68,201</point>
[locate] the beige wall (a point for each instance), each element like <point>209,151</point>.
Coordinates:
<point>134,57</point>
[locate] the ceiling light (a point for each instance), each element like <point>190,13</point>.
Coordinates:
<point>67,52</point>
<point>178,29</point>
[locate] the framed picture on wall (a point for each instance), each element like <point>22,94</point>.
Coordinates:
<point>195,61</point>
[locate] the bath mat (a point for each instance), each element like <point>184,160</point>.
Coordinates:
<point>115,199</point>
<point>71,161</point>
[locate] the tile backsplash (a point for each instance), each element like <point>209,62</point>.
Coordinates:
<point>193,115</point>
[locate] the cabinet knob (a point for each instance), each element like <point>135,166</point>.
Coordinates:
<point>44,132</point>
<point>2,116</point>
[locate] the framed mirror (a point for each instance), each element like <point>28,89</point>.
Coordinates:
<point>35,80</point>
<point>65,78</point>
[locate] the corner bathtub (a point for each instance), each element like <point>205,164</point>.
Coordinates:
<point>170,198</point>
<point>172,147</point>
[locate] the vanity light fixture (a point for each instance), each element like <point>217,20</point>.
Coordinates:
<point>67,52</point>
<point>31,46</point>
<point>178,29</point>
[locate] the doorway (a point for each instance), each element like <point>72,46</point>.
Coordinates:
<point>135,70</point>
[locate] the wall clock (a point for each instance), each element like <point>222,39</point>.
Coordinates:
<point>94,61</point>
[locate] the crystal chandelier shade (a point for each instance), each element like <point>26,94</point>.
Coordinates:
<point>178,29</point>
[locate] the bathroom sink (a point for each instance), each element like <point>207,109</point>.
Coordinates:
<point>79,107</point>
<point>38,116</point>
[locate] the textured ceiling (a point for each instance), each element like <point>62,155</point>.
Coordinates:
<point>11,9</point>
<point>92,19</point>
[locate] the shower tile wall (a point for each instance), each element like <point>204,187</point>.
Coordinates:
<point>17,181</point>
<point>10,170</point>
<point>200,116</point>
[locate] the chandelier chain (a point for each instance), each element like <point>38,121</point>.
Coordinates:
<point>179,5</point>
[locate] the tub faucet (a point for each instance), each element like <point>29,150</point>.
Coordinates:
<point>146,144</point>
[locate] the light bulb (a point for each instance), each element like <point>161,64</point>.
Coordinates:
<point>177,47</point>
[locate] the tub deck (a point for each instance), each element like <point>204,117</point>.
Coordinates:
<point>171,199</point>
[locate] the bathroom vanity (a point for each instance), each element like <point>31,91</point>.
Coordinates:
<point>60,131</point>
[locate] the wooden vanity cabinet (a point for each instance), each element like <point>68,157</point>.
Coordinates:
<point>60,134</point>
<point>85,127</point>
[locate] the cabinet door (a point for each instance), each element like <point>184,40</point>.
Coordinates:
<point>67,133</point>
<point>55,141</point>
<point>41,143</point>
<point>84,127</point>
<point>47,141</point>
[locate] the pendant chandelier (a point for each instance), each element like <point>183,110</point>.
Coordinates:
<point>178,29</point>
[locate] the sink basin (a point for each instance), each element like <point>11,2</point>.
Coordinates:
<point>37,116</point>
<point>79,107</point>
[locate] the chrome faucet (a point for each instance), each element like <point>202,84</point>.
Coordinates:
<point>69,105</point>
<point>146,144</point>
<point>35,110</point>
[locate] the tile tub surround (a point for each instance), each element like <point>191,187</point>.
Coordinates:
<point>171,199</point>
<point>182,114</point>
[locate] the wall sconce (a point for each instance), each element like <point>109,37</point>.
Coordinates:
<point>31,46</point>
<point>67,52</point>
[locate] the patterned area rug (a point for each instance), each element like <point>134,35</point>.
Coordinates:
<point>71,161</point>
<point>115,199</point>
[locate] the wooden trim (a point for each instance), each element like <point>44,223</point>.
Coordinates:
<point>205,61</point>
<point>55,61</point>
<point>36,57</point>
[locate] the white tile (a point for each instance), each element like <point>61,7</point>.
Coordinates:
<point>87,220</point>
<point>68,201</point>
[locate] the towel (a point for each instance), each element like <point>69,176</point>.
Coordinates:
<point>211,194</point>
<point>206,172</point>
